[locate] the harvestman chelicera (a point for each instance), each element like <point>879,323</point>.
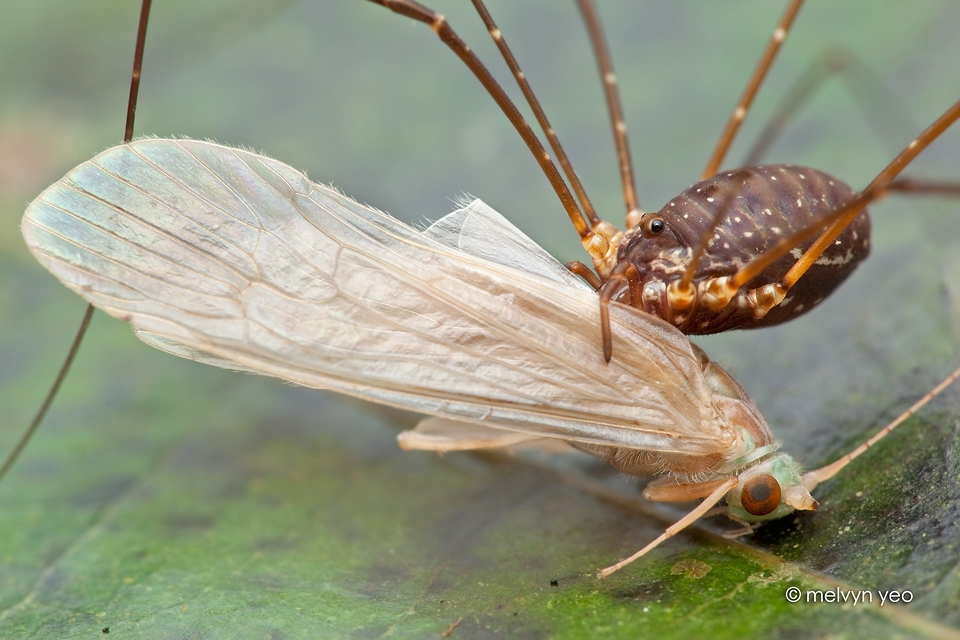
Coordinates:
<point>231,258</point>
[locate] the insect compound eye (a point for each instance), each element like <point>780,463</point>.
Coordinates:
<point>760,495</point>
<point>653,226</point>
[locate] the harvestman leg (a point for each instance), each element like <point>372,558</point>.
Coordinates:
<point>612,94</point>
<point>872,95</point>
<point>881,185</point>
<point>611,287</point>
<point>683,290</point>
<point>88,313</point>
<point>722,290</point>
<point>882,108</point>
<point>838,63</point>
<point>929,187</point>
<point>599,238</point>
<point>753,85</point>
<point>586,273</point>
<point>531,98</point>
<point>835,222</point>
<point>605,65</point>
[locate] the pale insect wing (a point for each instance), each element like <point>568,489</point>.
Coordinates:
<point>233,257</point>
<point>482,232</point>
<point>476,229</point>
<point>181,350</point>
<point>443,434</point>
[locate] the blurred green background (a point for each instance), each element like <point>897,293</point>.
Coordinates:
<point>167,499</point>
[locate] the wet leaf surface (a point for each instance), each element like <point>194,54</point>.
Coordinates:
<point>164,498</point>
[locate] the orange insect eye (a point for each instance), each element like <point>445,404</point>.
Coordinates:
<point>653,226</point>
<point>760,495</point>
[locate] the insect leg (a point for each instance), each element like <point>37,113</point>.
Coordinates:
<point>677,527</point>
<point>88,313</point>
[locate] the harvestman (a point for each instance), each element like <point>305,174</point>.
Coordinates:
<point>234,259</point>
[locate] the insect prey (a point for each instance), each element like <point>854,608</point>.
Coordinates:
<point>231,258</point>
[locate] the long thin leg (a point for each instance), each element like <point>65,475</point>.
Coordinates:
<point>882,107</point>
<point>873,190</point>
<point>449,37</point>
<point>925,187</point>
<point>873,97</point>
<point>675,528</point>
<point>605,63</point>
<point>88,313</point>
<point>538,112</point>
<point>682,292</point>
<point>740,111</point>
<point>835,222</point>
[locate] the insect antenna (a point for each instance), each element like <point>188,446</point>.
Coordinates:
<point>601,53</point>
<point>88,313</point>
<point>812,478</point>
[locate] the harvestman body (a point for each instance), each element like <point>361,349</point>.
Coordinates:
<point>234,259</point>
<point>747,248</point>
<point>230,258</point>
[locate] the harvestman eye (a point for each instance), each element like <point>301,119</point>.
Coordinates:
<point>652,227</point>
<point>468,321</point>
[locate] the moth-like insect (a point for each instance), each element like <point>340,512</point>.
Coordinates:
<point>230,258</point>
<point>488,217</point>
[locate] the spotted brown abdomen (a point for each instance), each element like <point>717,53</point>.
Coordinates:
<point>761,206</point>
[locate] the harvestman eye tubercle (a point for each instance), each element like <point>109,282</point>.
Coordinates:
<point>234,259</point>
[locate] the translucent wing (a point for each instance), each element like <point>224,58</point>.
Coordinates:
<point>482,232</point>
<point>232,258</point>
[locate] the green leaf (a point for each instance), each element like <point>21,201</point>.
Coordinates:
<point>162,498</point>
